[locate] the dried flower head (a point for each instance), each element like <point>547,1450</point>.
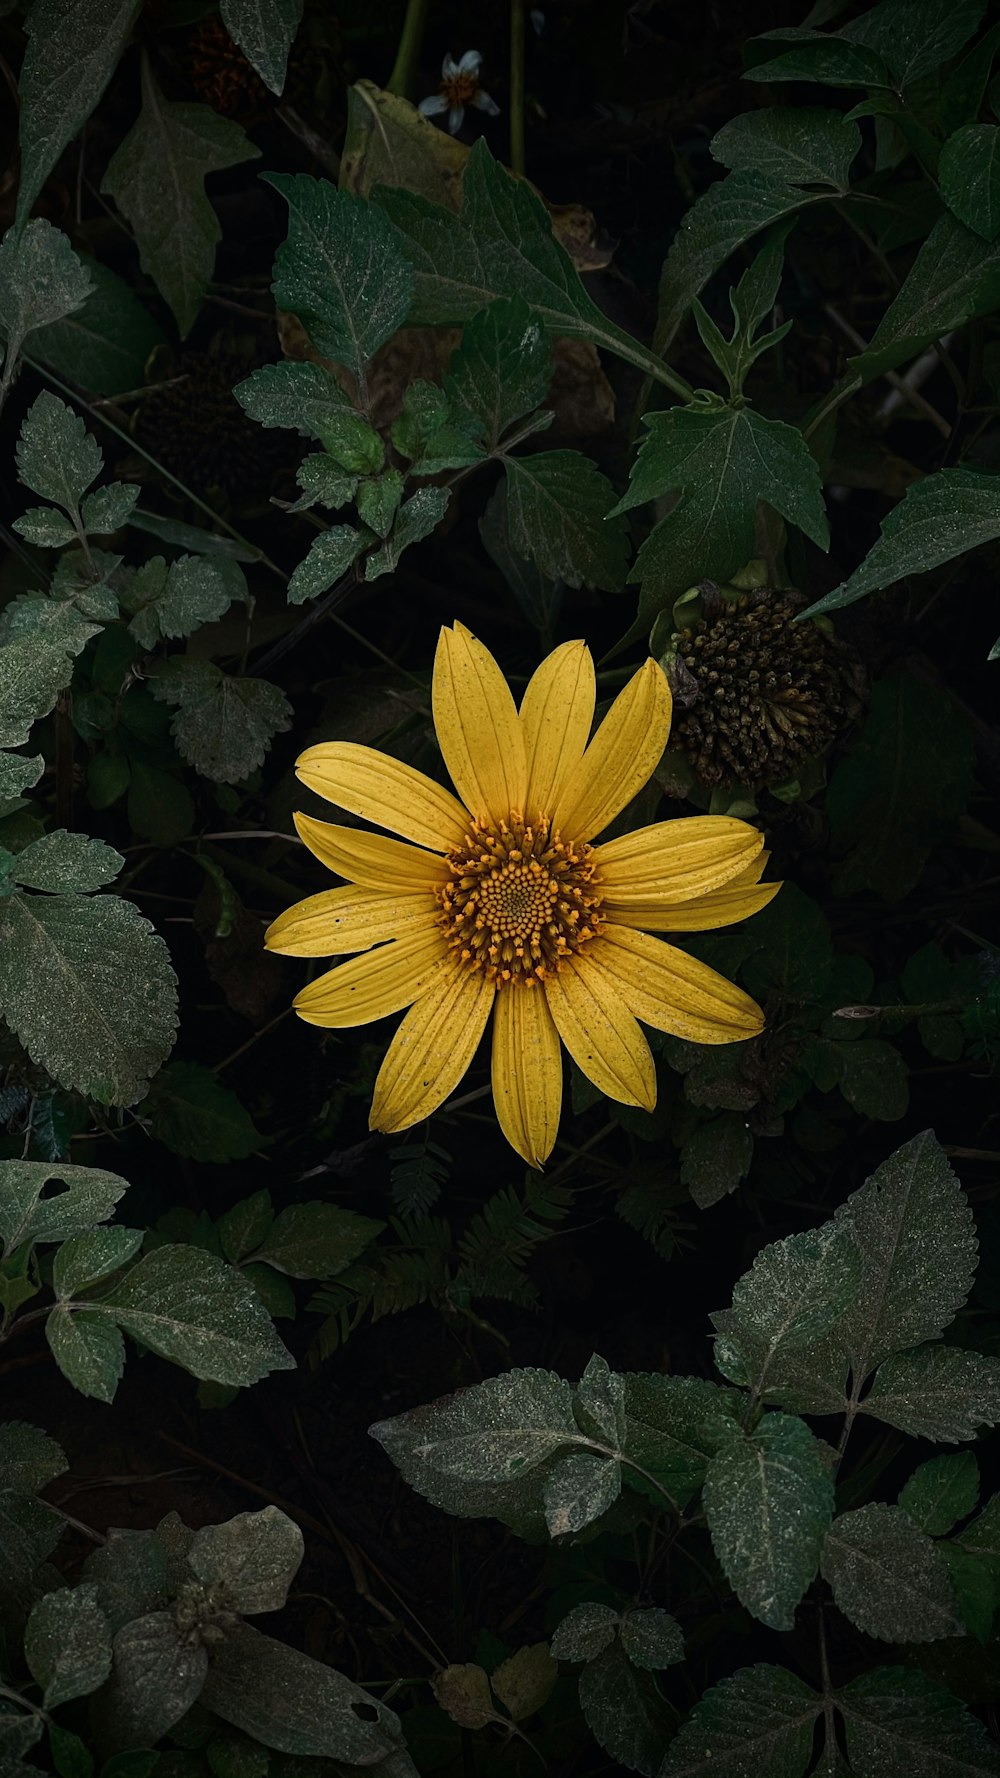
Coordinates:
<point>193,425</point>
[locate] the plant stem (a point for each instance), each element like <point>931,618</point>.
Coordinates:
<point>411,42</point>
<point>517,87</point>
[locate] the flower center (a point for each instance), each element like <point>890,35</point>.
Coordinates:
<point>460,89</point>
<point>518,899</point>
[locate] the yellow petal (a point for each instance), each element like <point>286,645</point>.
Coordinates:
<point>370,858</point>
<point>432,1049</point>
<point>671,991</point>
<point>376,984</point>
<point>477,727</point>
<point>351,919</point>
<point>385,791</point>
<point>600,1033</point>
<point>720,907</point>
<point>620,758</point>
<point>527,1072</point>
<point>676,860</point>
<point>556,713</point>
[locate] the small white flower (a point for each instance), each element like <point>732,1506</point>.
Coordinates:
<point>459,87</point>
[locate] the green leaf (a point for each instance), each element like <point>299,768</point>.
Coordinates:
<point>47,622</point>
<point>768,1500</point>
<point>798,146</point>
<point>578,1489</point>
<point>129,1571</point>
<point>888,1577</point>
<point>301,396</point>
<point>175,601</point>
<point>56,455</point>
<point>90,1196</point>
<point>502,245</point>
<point>159,1673</point>
<point>964,89</point>
<point>760,1720</point>
<point>265,31</point>
<point>795,950</point>
<point>95,1254</point>
<point>288,1701</point>
<point>67,1644</point>
<point>242,1229</point>
<point>970,178</point>
<point>673,1427</point>
<point>914,37</point>
<point>430,436</point>
<point>417,518</point>
<point>975,1590</point>
<point>200,1313</point>
<point>902,1724</point>
<point>41,281</point>
<point>32,674</point>
<point>29,1458</point>
<point>341,270</point>
<point>652,1638</point>
<point>89,1351</point>
<point>721,220</point>
<point>813,56</point>
<point>558,507</point>
<point>600,1403</point>
<point>316,1240</point>
<point>938,518</point>
<point>378,501</point>
<point>157,178</point>
<point>194,1115</point>
<point>502,369</point>
<point>105,344</point>
<point>323,483</point>
<point>953,279</point>
<point>330,556</point>
<point>584,1632</point>
<point>249,1562</point>
<point>73,50</point>
<point>624,1712</point>
<point>45,528</point>
<point>524,1681</point>
<point>224,726</point>
<point>18,774</point>
<point>795,1292</point>
<point>900,788</point>
<point>87,987</point>
<point>354,445</point>
<point>942,1491</point>
<point>715,1157</point>
<point>937,1392</point>
<point>62,861</point>
<point>724,461</point>
<point>108,508</point>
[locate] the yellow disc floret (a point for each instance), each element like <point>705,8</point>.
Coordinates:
<point>518,899</point>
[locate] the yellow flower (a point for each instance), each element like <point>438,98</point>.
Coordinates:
<point>501,904</point>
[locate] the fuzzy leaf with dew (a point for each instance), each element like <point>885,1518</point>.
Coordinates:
<point>89,1196</point>
<point>502,369</point>
<point>105,344</point>
<point>265,31</point>
<point>223,725</point>
<point>73,50</point>
<point>560,511</point>
<point>431,435</point>
<point>970,178</point>
<point>937,1392</point>
<point>624,1711</point>
<point>769,1500</point>
<point>578,1489</point>
<point>914,37</point>
<point>42,624</point>
<point>378,499</point>
<point>724,461</point>
<point>88,1349</point>
<point>194,1115</point>
<point>795,1292</point>
<point>242,1228</point>
<point>29,1457</point>
<point>652,1638</point>
<point>159,1672</point>
<point>584,1632</point>
<point>41,281</point>
<point>67,1644</point>
<point>107,509</point>
<point>303,396</point>
<point>762,1719</point>
<point>599,1402</point>
<point>524,1681</point>
<point>94,1254</point>
<point>942,1491</point>
<point>462,1690</point>
<point>56,456</point>
<point>330,556</point>
<point>416,519</point>
<point>18,773</point>
<point>198,1312</point>
<point>716,1157</point>
<point>828,59</point>
<point>86,985</point>
<point>157,178</point>
<point>673,1428</point>
<point>45,528</point>
<point>954,278</point>
<point>129,1571</point>
<point>316,1240</point>
<point>341,270</point>
<point>899,1723</point>
<point>888,1577</point>
<point>249,1562</point>
<point>323,483</point>
<point>807,145</point>
<point>61,862</point>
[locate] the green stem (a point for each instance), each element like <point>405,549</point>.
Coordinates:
<point>517,87</point>
<point>411,42</point>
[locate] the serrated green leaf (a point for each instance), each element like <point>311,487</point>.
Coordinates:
<point>67,1644</point>
<point>242,1229</point>
<point>953,279</point>
<point>724,461</point>
<point>769,1500</point>
<point>793,948</point>
<point>90,1196</point>
<point>224,726</point>
<point>760,1720</point>
<point>624,1712</point>
<point>249,1562</point>
<point>578,1489</point>
<point>559,509</point>
<point>721,220</point>
<point>502,369</point>
<point>806,145</point>
<point>316,1240</point>
<point>55,623</point>
<point>176,601</point>
<point>56,455</point>
<point>902,1724</point>
<point>873,1077</point>
<point>157,178</point>
<point>159,1673</point>
<point>829,60</point>
<point>108,508</point>
<point>431,435</point>
<point>200,1313</point>
<point>416,519</point>
<point>975,1590</point>
<point>105,344</point>
<point>673,1427</point>
<point>600,1403</point>
<point>652,1638</point>
<point>29,1457</point>
<point>323,483</point>
<point>914,37</point>
<point>354,445</point>
<point>61,862</point>
<point>795,1292</point>
<point>73,50</point>
<point>330,556</point>
<point>45,528</point>
<point>265,31</point>
<point>88,1349</point>
<point>584,1632</point>
<point>942,1491</point>
<point>378,501</point>
<point>130,1573</point>
<point>17,773</point>
<point>41,281</point>
<point>715,1157</point>
<point>937,1392</point>
<point>970,177</point>
<point>86,1258</point>
<point>194,1115</point>
<point>341,270</point>
<point>87,987</point>
<point>301,396</point>
<point>888,1577</point>
<point>524,1681</point>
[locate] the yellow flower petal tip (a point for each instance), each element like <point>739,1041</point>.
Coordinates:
<point>495,904</point>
